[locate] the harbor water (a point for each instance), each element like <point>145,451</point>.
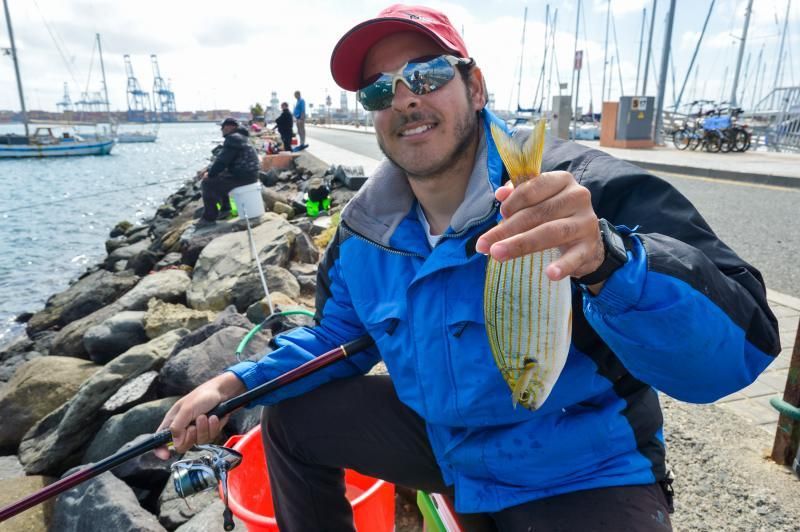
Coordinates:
<point>57,212</point>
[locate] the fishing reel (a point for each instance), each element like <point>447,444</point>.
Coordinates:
<point>192,476</point>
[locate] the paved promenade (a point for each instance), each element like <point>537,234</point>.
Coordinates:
<point>769,168</point>
<point>752,403</point>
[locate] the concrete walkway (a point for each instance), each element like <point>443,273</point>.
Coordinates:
<point>752,403</point>
<point>769,168</point>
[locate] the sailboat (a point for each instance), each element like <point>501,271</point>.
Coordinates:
<point>44,142</point>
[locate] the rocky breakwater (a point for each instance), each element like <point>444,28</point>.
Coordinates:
<point>106,358</point>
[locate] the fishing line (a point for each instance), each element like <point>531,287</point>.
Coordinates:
<point>92,195</point>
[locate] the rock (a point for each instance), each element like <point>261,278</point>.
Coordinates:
<point>115,335</point>
<point>101,504</point>
<point>259,311</point>
<point>270,196</point>
<point>136,391</point>
<point>135,233</point>
<point>56,442</point>
<point>167,285</point>
<point>120,228</point>
<point>305,250</point>
<point>15,355</point>
<point>171,259</point>
<point>320,225</point>
<point>123,428</point>
<point>195,365</point>
<point>85,296</point>
<point>10,467</point>
<point>144,261</point>
<point>280,207</point>
<point>113,244</point>
<point>227,318</point>
<point>227,259</point>
<point>124,253</point>
<point>69,340</point>
<point>268,178</point>
<point>170,240</point>
<point>210,520</point>
<point>162,317</point>
<point>37,388</point>
<point>36,519</point>
<point>248,288</point>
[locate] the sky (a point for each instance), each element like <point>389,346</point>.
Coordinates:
<point>229,55</point>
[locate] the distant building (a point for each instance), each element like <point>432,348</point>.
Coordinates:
<point>343,102</point>
<point>273,110</point>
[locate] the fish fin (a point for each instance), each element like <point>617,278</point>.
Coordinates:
<point>522,161</point>
<point>510,153</point>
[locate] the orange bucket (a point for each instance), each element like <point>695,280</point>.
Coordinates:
<point>250,497</point>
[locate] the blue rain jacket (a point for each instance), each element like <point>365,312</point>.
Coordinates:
<point>684,316</point>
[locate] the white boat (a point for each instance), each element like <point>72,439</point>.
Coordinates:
<point>136,136</point>
<point>44,143</point>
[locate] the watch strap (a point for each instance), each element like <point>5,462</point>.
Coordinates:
<point>614,256</point>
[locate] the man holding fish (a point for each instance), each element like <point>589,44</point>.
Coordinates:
<point>528,299</point>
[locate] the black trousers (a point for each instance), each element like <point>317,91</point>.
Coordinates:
<point>287,142</point>
<point>216,189</point>
<point>360,424</point>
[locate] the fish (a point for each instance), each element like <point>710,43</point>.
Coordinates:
<point>528,317</point>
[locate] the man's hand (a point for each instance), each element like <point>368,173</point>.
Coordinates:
<point>193,407</point>
<point>550,211</point>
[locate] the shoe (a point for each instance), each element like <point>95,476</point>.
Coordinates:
<point>202,222</point>
<point>224,215</point>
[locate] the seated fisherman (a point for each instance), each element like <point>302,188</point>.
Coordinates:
<point>235,165</point>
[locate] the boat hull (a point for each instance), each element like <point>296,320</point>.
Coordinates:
<point>131,138</point>
<point>56,150</point>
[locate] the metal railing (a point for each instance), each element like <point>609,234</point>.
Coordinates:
<point>775,120</point>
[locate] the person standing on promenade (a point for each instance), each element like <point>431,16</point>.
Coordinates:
<point>664,306</point>
<point>284,125</point>
<point>300,119</point>
<point>235,165</point>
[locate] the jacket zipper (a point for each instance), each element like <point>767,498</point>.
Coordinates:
<point>347,229</point>
<point>492,213</point>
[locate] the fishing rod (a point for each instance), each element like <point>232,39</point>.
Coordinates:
<point>164,437</point>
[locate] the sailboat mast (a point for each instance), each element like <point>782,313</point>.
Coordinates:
<point>576,73</point>
<point>776,84</point>
<point>103,72</point>
<point>641,40</point>
<point>544,60</point>
<point>521,56</point>
<point>741,53</point>
<point>605,56</point>
<point>662,83</point>
<point>649,46</point>
<point>16,67</point>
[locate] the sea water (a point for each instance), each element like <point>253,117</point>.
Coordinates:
<point>56,213</point>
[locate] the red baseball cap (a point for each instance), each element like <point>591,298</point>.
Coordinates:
<point>348,56</point>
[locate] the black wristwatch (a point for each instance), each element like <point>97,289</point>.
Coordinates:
<point>615,255</point>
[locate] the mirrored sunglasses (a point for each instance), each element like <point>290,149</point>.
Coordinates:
<point>422,76</point>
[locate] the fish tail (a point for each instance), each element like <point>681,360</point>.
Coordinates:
<point>522,161</point>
